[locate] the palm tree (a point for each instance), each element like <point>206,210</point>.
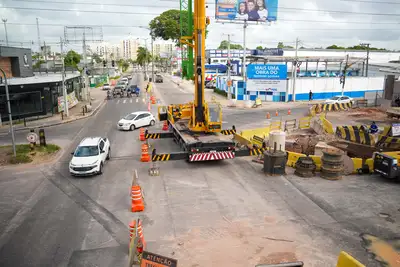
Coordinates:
<point>143,56</point>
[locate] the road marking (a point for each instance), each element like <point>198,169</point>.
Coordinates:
<point>117,101</point>
<point>124,101</point>
<point>137,100</point>
<point>130,100</point>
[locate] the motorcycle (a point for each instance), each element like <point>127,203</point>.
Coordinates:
<point>109,96</point>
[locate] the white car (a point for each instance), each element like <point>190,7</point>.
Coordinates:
<point>125,80</point>
<point>136,120</point>
<point>89,157</point>
<point>106,86</point>
<point>339,100</point>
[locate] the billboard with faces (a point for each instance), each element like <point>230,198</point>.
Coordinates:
<point>247,10</point>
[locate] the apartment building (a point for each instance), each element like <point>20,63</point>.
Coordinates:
<point>163,49</point>
<point>129,48</point>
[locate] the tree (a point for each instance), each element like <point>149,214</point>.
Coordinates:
<point>167,25</point>
<point>96,58</point>
<point>281,45</point>
<point>224,45</point>
<point>72,59</point>
<point>143,56</point>
<point>259,47</point>
<point>335,47</point>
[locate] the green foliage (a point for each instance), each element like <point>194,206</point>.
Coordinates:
<point>355,47</point>
<point>225,44</point>
<point>259,47</point>
<point>72,59</point>
<point>96,58</point>
<point>143,56</point>
<point>223,93</point>
<point>20,158</point>
<point>38,63</point>
<point>167,25</point>
<point>25,154</point>
<point>281,45</point>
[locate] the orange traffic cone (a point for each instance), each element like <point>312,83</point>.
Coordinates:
<point>141,135</point>
<point>140,233</point>
<point>137,199</point>
<point>153,99</point>
<point>268,116</point>
<point>132,230</point>
<point>276,113</point>
<point>165,126</point>
<point>145,153</point>
<point>289,111</point>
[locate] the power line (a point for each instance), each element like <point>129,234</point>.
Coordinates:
<point>372,2</point>
<point>289,10</point>
<point>145,27</point>
<point>89,3</point>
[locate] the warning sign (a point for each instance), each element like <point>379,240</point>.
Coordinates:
<point>153,260</point>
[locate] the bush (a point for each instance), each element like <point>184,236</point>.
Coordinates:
<point>223,93</point>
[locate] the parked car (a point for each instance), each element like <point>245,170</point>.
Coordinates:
<point>106,86</point>
<point>136,120</point>
<point>339,100</point>
<point>211,84</point>
<point>90,156</point>
<point>159,78</point>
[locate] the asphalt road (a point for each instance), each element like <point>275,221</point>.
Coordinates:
<point>224,213</point>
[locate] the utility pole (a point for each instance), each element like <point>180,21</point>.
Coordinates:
<point>38,34</point>
<point>152,57</point>
<point>295,70</point>
<point>366,67</point>
<point>5,29</point>
<point>86,91</point>
<point>45,52</point>
<point>229,69</point>
<point>343,78</point>
<point>9,113</point>
<point>244,55</point>
<point>64,88</point>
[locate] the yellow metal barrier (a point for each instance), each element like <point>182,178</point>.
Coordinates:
<point>345,260</point>
<point>275,125</point>
<point>261,132</point>
<point>327,125</point>
<point>305,123</point>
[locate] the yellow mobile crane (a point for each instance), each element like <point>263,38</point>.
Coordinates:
<point>197,126</point>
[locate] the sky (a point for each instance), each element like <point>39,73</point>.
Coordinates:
<point>317,26</point>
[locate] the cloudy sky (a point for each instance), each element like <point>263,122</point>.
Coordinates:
<point>315,22</point>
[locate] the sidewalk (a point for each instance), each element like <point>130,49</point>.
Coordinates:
<point>239,104</point>
<point>97,96</point>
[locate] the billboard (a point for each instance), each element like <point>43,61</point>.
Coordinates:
<point>246,10</point>
<point>266,78</point>
<point>267,71</point>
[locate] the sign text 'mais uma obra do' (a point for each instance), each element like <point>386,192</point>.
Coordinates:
<point>267,71</point>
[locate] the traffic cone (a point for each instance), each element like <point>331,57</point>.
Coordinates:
<point>165,126</point>
<point>141,135</point>
<point>289,111</point>
<point>132,230</point>
<point>276,113</point>
<point>140,233</point>
<point>137,199</point>
<point>153,99</point>
<point>268,116</point>
<point>148,106</point>
<point>145,153</point>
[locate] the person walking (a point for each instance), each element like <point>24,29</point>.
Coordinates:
<point>310,95</point>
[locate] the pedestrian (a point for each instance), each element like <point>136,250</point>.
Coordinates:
<point>310,95</point>
<point>147,87</point>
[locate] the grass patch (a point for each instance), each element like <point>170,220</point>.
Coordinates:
<point>25,154</point>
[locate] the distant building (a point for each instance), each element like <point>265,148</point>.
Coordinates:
<point>129,49</point>
<point>163,49</point>
<point>16,62</point>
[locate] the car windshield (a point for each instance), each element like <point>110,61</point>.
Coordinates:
<point>106,84</point>
<point>86,151</point>
<point>130,117</point>
<point>335,98</point>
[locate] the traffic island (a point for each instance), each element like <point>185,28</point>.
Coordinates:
<point>27,153</point>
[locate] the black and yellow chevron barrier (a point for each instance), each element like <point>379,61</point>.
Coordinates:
<point>161,157</point>
<point>152,135</point>
<point>357,134</point>
<point>228,132</point>
<point>318,108</point>
<point>388,141</point>
<point>256,151</point>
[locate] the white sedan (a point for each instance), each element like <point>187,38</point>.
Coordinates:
<point>136,120</point>
<point>339,100</point>
<point>89,157</point>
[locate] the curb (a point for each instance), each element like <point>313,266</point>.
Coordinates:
<point>58,123</point>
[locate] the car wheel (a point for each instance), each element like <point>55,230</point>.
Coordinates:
<point>108,154</point>
<point>132,127</point>
<point>152,122</point>
<point>101,168</point>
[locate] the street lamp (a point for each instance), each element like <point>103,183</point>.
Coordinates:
<point>366,67</point>
<point>9,112</point>
<point>5,29</point>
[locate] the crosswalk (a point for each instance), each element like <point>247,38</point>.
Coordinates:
<point>127,101</point>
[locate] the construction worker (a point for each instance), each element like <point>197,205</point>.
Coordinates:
<point>373,128</point>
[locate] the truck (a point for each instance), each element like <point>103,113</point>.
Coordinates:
<point>197,126</point>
